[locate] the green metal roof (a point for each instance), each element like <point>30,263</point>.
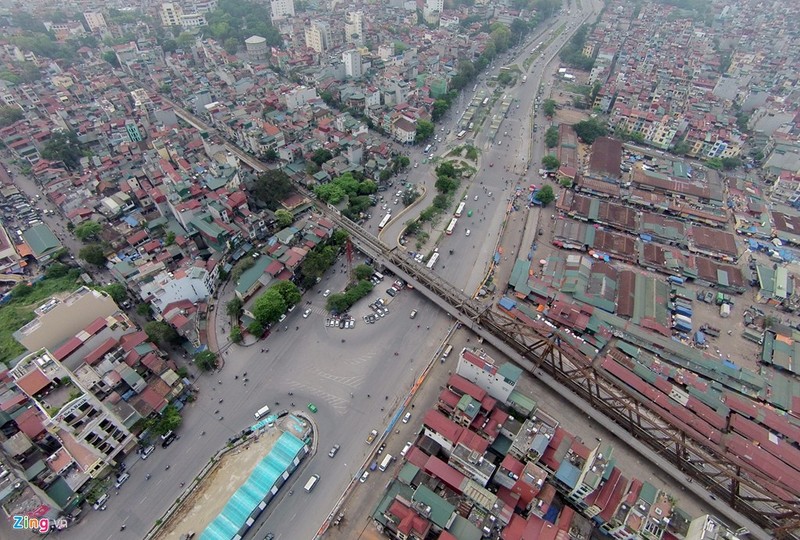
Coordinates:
<point>41,240</point>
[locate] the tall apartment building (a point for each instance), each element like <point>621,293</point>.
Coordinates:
<point>432,11</point>
<point>352,63</point>
<point>354,27</point>
<point>281,9</point>
<point>318,36</point>
<point>171,13</point>
<point>95,22</point>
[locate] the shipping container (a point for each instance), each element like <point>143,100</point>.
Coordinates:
<point>683,319</point>
<point>682,310</point>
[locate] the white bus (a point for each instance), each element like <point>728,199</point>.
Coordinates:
<point>451,226</point>
<point>386,461</point>
<point>432,260</point>
<point>384,221</point>
<point>460,209</point>
<point>485,101</point>
<point>462,133</point>
<point>262,411</point>
<point>311,482</point>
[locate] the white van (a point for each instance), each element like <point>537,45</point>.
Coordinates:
<point>447,351</point>
<point>100,504</point>
<point>261,412</point>
<point>406,448</point>
<point>311,482</point>
<point>387,459</point>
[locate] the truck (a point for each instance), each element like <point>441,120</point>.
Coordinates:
<point>710,330</point>
<point>683,319</point>
<point>681,326</point>
<point>372,435</point>
<point>725,311</point>
<point>682,310</point>
<point>676,280</point>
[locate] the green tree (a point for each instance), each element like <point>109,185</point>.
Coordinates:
<point>440,107</point>
<point>56,270</point>
<point>111,58</point>
<point>730,163</point>
<point>545,195</point>
<point>681,148</point>
<point>271,187</point>
<point>550,162</point>
<point>65,147</point>
<point>288,291</point>
<point>161,333</point>
<point>256,329</point>
<point>116,291</point>
<point>565,182</point>
<point>551,137</point>
<point>87,229</point>
<point>446,184</point>
<point>169,420</point>
<point>339,237</point>
<point>714,163</point>
<point>236,334</point>
<point>363,271</point>
<point>169,238</point>
<point>233,307</point>
<point>93,254</point>
<point>241,267</point>
<point>549,108</point>
<point>589,130</point>
<point>269,307</point>
<point>9,115</point>
<point>206,360</point>
<point>321,155</point>
<point>143,309</point>
<point>424,130</point>
<point>231,45</point>
<point>505,78</point>
<point>284,218</point>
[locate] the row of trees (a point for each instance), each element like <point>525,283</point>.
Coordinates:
<point>341,302</point>
<point>572,53</point>
<point>269,307</point>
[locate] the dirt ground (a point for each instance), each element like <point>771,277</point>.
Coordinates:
<point>209,497</point>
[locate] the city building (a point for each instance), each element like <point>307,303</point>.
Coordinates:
<point>352,63</point>
<point>281,9</point>
<point>95,21</point>
<point>479,368</point>
<point>354,27</point>
<point>257,50</point>
<point>171,13</point>
<point>318,36</point>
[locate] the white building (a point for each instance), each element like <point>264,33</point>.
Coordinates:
<point>171,14</point>
<point>318,36</point>
<point>352,63</point>
<point>193,20</point>
<point>298,97</point>
<point>432,11</point>
<point>193,284</point>
<point>354,27</point>
<point>479,368</point>
<point>95,21</point>
<point>281,9</point>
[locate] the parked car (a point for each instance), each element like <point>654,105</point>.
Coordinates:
<point>327,293</point>
<point>333,450</point>
<point>147,451</point>
<point>413,313</point>
<point>121,479</point>
<point>406,418</point>
<point>364,477</point>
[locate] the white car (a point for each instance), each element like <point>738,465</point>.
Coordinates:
<point>121,480</point>
<point>406,418</point>
<point>364,477</point>
<point>468,232</point>
<point>476,197</point>
<point>327,293</point>
<point>306,313</point>
<point>147,451</point>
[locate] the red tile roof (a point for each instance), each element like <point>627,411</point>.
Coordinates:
<point>33,382</point>
<point>444,472</point>
<point>100,351</point>
<point>30,423</point>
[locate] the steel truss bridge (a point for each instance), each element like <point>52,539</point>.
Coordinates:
<point>539,350</point>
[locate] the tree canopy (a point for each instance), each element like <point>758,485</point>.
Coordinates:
<point>93,254</point>
<point>9,115</point>
<point>288,291</point>
<point>269,307</point>
<point>240,19</point>
<point>589,130</point>
<point>550,162</point>
<point>206,360</point>
<point>161,333</point>
<point>424,130</point>
<point>87,229</point>
<point>271,187</point>
<point>545,195</point>
<point>283,217</point>
<point>551,137</point>
<point>64,146</point>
